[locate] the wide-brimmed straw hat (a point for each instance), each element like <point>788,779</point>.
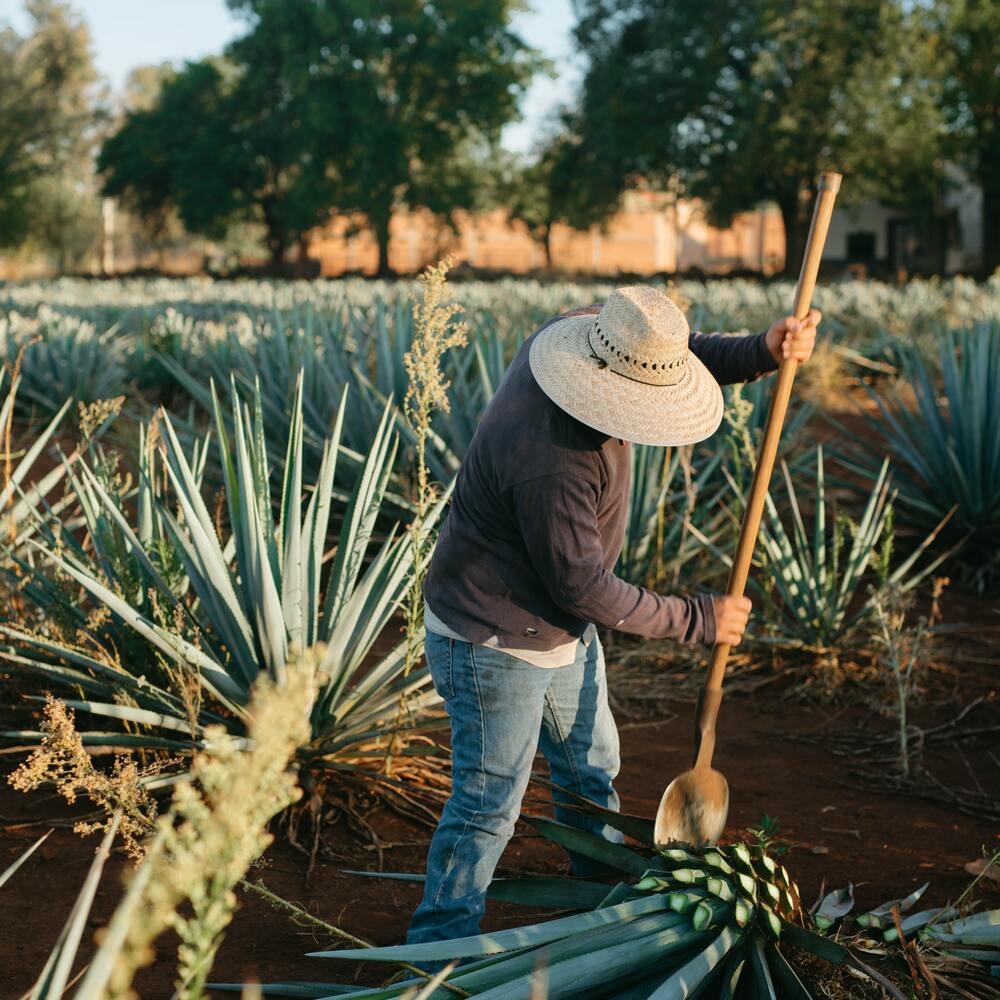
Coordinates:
<point>628,372</point>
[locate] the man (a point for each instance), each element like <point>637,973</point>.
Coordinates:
<point>522,572</point>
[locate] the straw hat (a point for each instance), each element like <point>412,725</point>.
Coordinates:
<point>627,372</point>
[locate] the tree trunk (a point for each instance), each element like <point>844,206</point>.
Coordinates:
<point>794,205</point>
<point>380,223</point>
<point>277,236</point>
<point>990,180</point>
<point>301,268</point>
<point>547,245</point>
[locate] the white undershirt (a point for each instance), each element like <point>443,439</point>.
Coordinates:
<point>562,656</point>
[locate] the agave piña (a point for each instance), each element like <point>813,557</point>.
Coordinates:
<point>683,923</point>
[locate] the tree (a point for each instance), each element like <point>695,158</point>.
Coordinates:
<point>969,30</point>
<point>144,84</point>
<point>64,213</point>
<point>542,191</point>
<point>394,93</point>
<point>748,101</point>
<point>48,105</point>
<point>325,106</point>
<point>220,145</point>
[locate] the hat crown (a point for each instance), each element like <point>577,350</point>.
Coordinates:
<point>643,335</point>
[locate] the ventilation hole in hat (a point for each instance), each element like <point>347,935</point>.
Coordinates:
<point>654,367</point>
<point>644,364</point>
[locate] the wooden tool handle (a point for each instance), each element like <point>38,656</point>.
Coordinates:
<point>826,194</point>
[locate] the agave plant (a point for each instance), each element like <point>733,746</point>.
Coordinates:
<point>682,923</point>
<point>104,503</point>
<point>64,358</point>
<point>361,349</point>
<point>241,602</point>
<point>819,586</point>
<point>17,499</point>
<point>267,365</point>
<point>947,444</point>
<point>658,543</point>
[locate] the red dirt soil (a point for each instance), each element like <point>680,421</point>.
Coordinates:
<point>839,832</point>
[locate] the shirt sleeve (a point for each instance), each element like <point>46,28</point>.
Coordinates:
<point>557,515</point>
<point>733,358</point>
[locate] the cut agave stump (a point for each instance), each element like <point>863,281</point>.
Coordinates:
<point>706,923</point>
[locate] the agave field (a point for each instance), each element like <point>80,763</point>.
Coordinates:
<point>219,499</point>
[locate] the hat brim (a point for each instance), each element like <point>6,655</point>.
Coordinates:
<point>667,415</point>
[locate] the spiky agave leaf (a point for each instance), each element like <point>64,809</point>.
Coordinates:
<point>18,503</point>
<point>973,938</point>
<point>254,595</point>
<point>947,443</point>
<point>685,922</point>
<point>821,575</point>
<point>13,867</point>
<point>52,982</point>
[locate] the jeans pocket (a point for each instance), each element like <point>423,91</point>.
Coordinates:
<point>440,653</point>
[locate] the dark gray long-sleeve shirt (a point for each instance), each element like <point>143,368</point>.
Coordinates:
<point>538,517</point>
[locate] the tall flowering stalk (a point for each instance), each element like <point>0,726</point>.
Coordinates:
<point>194,855</point>
<point>437,328</point>
<point>215,829</point>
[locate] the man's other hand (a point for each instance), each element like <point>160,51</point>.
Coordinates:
<point>793,338</point>
<point>731,615</point>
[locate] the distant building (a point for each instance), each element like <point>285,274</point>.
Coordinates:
<point>653,234</point>
<point>943,240</point>
<point>649,235</point>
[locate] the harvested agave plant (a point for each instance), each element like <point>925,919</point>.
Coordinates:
<point>712,923</point>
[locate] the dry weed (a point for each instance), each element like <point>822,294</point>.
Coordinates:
<point>63,761</point>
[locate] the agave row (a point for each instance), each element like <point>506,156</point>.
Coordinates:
<point>195,609</point>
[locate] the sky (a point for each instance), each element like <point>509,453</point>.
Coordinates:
<point>129,33</point>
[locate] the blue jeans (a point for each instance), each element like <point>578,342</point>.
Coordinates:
<point>502,709</point>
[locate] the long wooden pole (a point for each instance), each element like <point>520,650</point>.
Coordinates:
<point>826,195</point>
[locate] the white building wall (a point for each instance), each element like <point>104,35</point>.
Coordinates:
<point>867,217</point>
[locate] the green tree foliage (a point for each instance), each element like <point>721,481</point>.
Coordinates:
<point>322,106</point>
<point>748,101</point>
<point>64,214</point>
<point>970,34</point>
<point>209,148</point>
<point>400,90</point>
<point>144,84</point>
<point>48,107</point>
<point>545,189</point>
